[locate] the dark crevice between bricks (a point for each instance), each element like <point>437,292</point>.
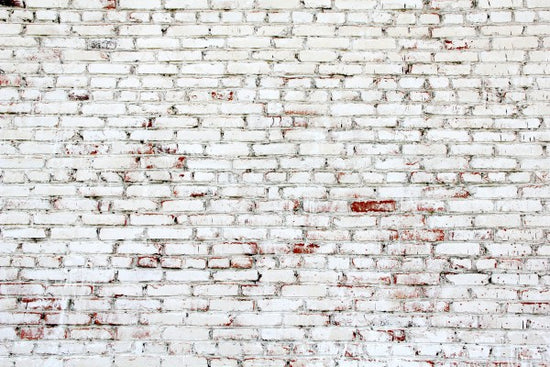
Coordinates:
<point>13,3</point>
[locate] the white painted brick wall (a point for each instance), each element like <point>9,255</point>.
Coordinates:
<point>274,183</point>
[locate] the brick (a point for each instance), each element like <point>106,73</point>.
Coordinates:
<point>139,4</point>
<point>458,249</point>
<point>46,4</point>
<point>373,206</point>
<point>185,4</point>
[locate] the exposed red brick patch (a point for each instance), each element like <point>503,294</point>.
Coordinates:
<point>462,194</point>
<point>301,248</point>
<point>31,333</point>
<point>428,235</point>
<point>456,45</point>
<point>222,96</point>
<point>348,354</point>
<point>535,303</point>
<point>397,335</point>
<point>96,318</point>
<point>180,163</point>
<point>373,206</point>
<point>147,149</point>
<point>230,322</point>
<point>109,4</point>
<point>393,235</point>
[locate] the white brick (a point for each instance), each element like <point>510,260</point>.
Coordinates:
<point>278,4</point>
<point>140,4</point>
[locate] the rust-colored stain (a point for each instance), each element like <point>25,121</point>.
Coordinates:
<point>180,162</point>
<point>31,333</point>
<point>456,45</point>
<point>301,112</point>
<point>462,194</point>
<point>397,335</point>
<point>301,248</point>
<point>430,208</point>
<point>109,4</point>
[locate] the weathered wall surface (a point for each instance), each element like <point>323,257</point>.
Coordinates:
<point>274,183</point>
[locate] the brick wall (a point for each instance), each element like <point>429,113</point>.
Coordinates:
<point>274,183</point>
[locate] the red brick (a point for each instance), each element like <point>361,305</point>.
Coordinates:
<point>373,206</point>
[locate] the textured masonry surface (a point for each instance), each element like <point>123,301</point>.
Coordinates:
<point>274,183</point>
